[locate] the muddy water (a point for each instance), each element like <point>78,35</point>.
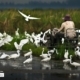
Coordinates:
<point>37,70</point>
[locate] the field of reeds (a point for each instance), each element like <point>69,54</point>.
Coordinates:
<point>10,20</point>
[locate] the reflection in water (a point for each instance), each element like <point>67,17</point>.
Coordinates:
<point>46,65</point>
<point>27,66</point>
<point>66,66</point>
<point>37,65</point>
<point>14,64</point>
<point>77,75</point>
<point>3,62</point>
<point>71,75</point>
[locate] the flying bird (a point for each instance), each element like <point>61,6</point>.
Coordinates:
<point>27,17</point>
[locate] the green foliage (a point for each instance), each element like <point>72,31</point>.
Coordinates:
<point>11,19</point>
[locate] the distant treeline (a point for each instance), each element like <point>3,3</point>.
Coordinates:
<point>10,19</point>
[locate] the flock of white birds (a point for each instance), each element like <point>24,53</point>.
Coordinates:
<point>35,39</point>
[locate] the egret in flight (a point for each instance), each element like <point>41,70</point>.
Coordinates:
<point>27,17</point>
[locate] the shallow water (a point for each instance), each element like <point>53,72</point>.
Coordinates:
<point>37,70</point>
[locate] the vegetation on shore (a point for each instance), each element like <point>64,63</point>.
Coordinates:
<point>10,20</point>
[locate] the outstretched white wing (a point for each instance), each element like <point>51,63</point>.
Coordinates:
<point>33,18</point>
<point>24,41</point>
<point>16,45</point>
<point>27,17</point>
<point>22,14</point>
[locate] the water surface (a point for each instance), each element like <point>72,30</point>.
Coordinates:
<point>37,70</point>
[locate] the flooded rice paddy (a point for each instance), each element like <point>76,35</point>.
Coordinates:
<point>37,70</point>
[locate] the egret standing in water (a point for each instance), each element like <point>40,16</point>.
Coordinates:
<point>28,53</point>
<point>44,55</point>
<point>14,55</point>
<point>74,63</point>
<point>48,58</point>
<point>28,60</point>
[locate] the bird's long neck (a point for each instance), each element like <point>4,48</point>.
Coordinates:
<point>48,52</point>
<point>56,51</point>
<point>18,51</point>
<point>42,51</point>
<point>70,59</point>
<point>67,53</point>
<point>30,51</point>
<point>30,56</point>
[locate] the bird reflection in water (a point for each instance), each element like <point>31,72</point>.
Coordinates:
<point>27,66</point>
<point>3,62</point>
<point>14,64</point>
<point>46,65</point>
<point>66,66</point>
<point>71,75</point>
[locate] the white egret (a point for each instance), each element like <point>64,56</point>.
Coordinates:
<point>66,60</point>
<point>56,51</point>
<point>77,51</point>
<point>52,51</point>
<point>74,63</point>
<point>39,34</point>
<point>48,58</point>
<point>43,40</point>
<point>7,39</point>
<point>2,42</point>
<point>21,44</point>
<point>28,53</point>
<point>48,31</point>
<point>17,33</point>
<point>66,54</point>
<point>4,34</point>
<point>4,56</point>
<point>27,34</point>
<point>62,40</point>
<point>14,55</point>
<point>28,60</point>
<point>36,42</point>
<point>27,17</point>
<point>44,55</point>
